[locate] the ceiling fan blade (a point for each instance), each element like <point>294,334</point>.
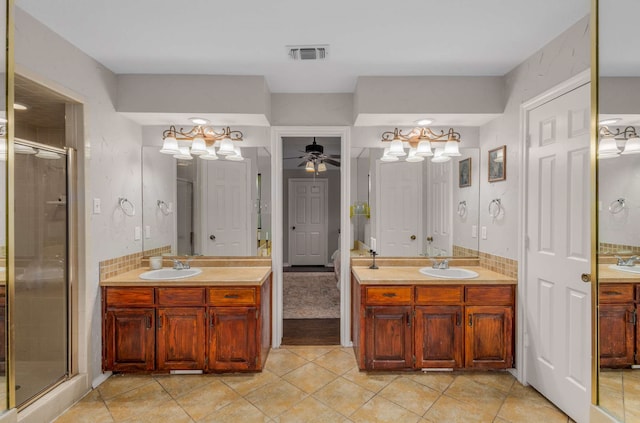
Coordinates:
<point>302,163</point>
<point>332,162</point>
<point>334,156</point>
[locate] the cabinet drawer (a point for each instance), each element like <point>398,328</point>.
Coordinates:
<point>611,293</point>
<point>439,294</point>
<point>181,296</point>
<point>400,295</point>
<point>232,296</point>
<point>489,295</point>
<point>129,296</point>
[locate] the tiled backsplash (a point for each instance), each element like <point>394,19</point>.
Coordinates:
<point>507,267</point>
<point>618,249</point>
<point>459,251</point>
<point>116,266</point>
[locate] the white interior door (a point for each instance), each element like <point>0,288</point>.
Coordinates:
<point>439,212</point>
<point>226,205</point>
<point>399,204</point>
<point>185,222</point>
<point>308,225</point>
<point>558,303</point>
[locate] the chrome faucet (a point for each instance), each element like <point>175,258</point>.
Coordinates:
<point>628,262</point>
<point>179,265</point>
<point>444,264</point>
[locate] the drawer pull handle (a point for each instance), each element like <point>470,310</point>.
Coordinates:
<point>458,319</point>
<point>612,293</point>
<point>471,320</point>
<point>148,322</point>
<point>159,322</point>
<point>232,296</point>
<point>389,294</point>
<point>212,322</point>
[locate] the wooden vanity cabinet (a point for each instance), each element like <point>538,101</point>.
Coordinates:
<point>617,317</point>
<point>186,328</point>
<point>441,326</point>
<point>128,334</point>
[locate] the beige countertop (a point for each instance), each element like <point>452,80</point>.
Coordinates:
<point>223,276</point>
<point>607,275</point>
<point>410,275</point>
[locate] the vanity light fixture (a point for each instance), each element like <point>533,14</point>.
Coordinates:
<point>608,145</point>
<point>421,141</point>
<point>204,140</point>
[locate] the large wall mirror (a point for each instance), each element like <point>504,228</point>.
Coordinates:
<point>619,209</point>
<point>416,207</point>
<point>203,207</point>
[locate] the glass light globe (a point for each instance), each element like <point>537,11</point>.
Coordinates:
<point>388,158</point>
<point>397,148</point>
<point>608,147</point>
<point>236,156</point>
<point>632,146</point>
<point>424,149</point>
<point>439,157</point>
<point>170,146</point>
<point>413,156</point>
<point>226,147</point>
<point>211,154</point>
<point>198,146</point>
<point>451,149</point>
<point>184,154</point>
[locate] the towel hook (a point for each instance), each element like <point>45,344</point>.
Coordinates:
<point>164,207</point>
<point>462,208</point>
<point>495,208</point>
<point>127,206</point>
<point>617,206</point>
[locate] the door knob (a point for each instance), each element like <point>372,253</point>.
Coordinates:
<point>430,239</point>
<point>413,237</point>
<point>212,237</point>
<point>293,228</point>
<point>586,277</point>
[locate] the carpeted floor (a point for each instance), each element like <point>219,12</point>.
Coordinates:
<point>310,295</point>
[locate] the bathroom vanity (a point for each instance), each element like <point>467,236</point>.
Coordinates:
<point>217,321</point>
<point>619,300</point>
<point>402,319</point>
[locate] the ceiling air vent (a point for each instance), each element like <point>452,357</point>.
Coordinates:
<point>316,52</point>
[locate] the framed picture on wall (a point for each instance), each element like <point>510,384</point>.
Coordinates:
<point>464,173</point>
<point>498,164</point>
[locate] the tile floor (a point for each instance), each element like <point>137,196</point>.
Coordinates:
<point>314,384</point>
<point>620,393</point>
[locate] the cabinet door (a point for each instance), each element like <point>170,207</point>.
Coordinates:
<point>616,335</point>
<point>489,337</point>
<point>233,338</point>
<point>181,337</point>
<point>388,337</point>
<point>438,336</point>
<point>129,339</point>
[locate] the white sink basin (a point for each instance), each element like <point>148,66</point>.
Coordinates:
<point>169,274</point>
<point>450,273</point>
<point>630,269</point>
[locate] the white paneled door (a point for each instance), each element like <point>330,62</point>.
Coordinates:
<point>399,208</point>
<point>558,303</point>
<point>308,225</point>
<point>225,208</point>
<point>439,224</point>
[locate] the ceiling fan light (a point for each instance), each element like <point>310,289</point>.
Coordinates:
<point>198,146</point>
<point>396,148</point>
<point>170,146</point>
<point>608,147</point>
<point>632,146</point>
<point>413,156</point>
<point>226,147</point>
<point>451,149</point>
<point>322,167</point>
<point>310,167</point>
<point>424,149</point>
<point>184,154</point>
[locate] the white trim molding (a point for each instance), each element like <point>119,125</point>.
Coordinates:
<point>277,132</point>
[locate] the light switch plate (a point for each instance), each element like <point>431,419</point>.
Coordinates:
<point>137,233</point>
<point>147,231</point>
<point>484,232</point>
<point>97,206</point>
<point>474,231</point>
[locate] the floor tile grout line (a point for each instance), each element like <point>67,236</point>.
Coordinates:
<point>124,375</point>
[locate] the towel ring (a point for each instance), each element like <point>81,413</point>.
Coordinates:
<point>462,208</point>
<point>164,208</point>
<point>495,207</point>
<point>617,206</point>
<point>127,206</point>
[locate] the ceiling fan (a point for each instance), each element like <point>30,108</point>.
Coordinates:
<point>314,158</point>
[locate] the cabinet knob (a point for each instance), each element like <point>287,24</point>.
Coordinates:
<point>586,277</point>
<point>212,237</point>
<point>413,237</point>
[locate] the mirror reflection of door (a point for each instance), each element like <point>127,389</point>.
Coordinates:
<point>226,212</point>
<point>439,209</point>
<point>399,208</point>
<point>308,225</point>
<point>185,222</point>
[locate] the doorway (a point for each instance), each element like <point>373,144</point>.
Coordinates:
<point>311,298</point>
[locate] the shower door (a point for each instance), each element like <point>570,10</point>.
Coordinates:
<point>41,289</point>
